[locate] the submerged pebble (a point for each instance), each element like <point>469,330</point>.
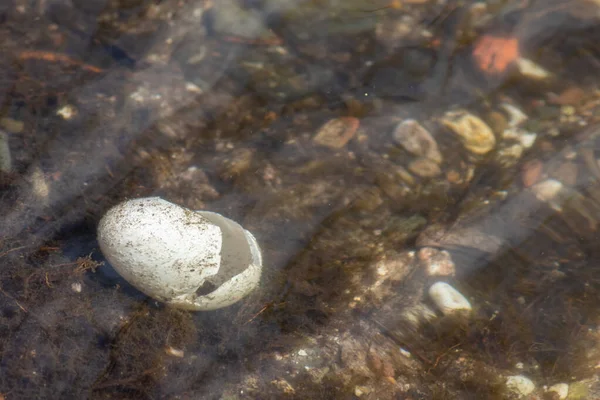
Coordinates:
<point>526,139</point>
<point>40,187</point>
<point>561,389</point>
<point>437,262</point>
<point>336,133</point>
<point>531,172</point>
<point>76,287</point>
<point>514,131</point>
<point>567,173</point>
<point>476,136</point>
<point>520,385</point>
<point>417,140</point>
<point>424,167</point>
<point>447,299</point>
<point>516,117</point>
<point>508,156</point>
<point>549,191</point>
<point>497,121</point>
<point>12,125</point>
<point>229,18</point>
<point>531,70</point>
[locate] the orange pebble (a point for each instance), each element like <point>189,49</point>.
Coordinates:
<point>494,54</point>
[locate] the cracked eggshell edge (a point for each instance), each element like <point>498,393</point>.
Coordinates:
<point>229,292</point>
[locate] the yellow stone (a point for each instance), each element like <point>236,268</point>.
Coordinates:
<point>12,125</point>
<point>476,135</point>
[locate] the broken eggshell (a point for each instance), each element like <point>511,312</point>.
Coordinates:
<point>195,260</point>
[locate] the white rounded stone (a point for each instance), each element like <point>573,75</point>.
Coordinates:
<point>447,299</point>
<point>547,190</point>
<point>520,385</point>
<point>191,260</point>
<point>550,191</point>
<point>562,389</point>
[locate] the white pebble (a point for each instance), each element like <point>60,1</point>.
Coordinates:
<point>520,385</point>
<point>515,116</point>
<point>76,287</point>
<point>67,112</point>
<point>174,352</point>
<point>525,138</point>
<point>519,365</point>
<point>548,191</point>
<point>447,299</point>
<point>531,70</point>
<point>562,389</point>
<point>405,353</point>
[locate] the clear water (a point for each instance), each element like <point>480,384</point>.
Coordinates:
<point>223,106</point>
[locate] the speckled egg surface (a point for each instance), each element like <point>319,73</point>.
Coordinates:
<point>188,259</point>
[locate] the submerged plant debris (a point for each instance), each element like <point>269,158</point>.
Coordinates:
<point>373,148</point>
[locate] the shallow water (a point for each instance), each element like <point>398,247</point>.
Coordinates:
<point>286,116</point>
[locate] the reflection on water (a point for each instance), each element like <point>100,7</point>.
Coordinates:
<point>373,148</point>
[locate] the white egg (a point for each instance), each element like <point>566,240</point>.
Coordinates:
<point>196,260</point>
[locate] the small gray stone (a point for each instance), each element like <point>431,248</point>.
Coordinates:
<point>417,140</point>
<point>231,19</point>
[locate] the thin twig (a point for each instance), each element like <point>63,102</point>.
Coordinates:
<point>11,250</point>
<point>15,300</point>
